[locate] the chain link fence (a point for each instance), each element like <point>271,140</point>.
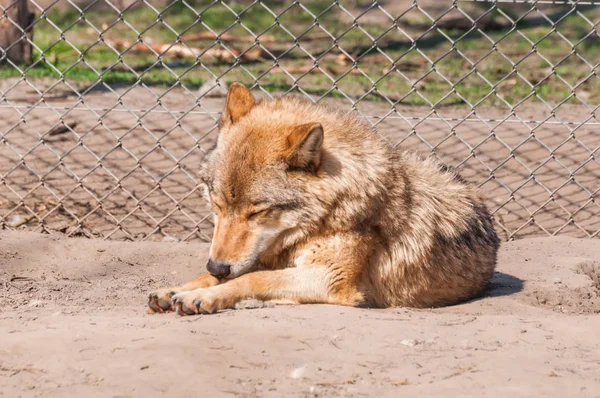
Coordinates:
<point>103,126</point>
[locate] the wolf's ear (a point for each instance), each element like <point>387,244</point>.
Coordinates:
<point>239,102</point>
<point>304,143</point>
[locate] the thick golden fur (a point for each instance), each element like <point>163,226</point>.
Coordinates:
<point>312,207</point>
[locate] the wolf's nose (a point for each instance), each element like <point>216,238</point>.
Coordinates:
<point>218,270</point>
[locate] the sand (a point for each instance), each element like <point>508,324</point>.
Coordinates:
<point>73,322</point>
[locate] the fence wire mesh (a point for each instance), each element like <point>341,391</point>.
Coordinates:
<point>103,129</point>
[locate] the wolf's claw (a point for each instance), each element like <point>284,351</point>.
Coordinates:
<point>183,309</point>
<point>192,303</point>
<point>160,301</point>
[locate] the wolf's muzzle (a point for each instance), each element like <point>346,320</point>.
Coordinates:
<point>218,270</point>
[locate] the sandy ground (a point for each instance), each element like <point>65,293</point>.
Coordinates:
<point>73,323</point>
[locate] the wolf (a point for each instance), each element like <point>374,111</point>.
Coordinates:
<point>311,206</point>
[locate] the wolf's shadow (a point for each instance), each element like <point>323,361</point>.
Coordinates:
<point>503,285</point>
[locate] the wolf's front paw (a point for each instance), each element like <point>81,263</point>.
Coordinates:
<point>199,301</point>
<point>160,301</point>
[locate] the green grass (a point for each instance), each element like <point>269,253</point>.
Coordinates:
<point>81,58</point>
<point>86,75</point>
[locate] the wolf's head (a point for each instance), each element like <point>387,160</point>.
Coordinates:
<point>256,179</point>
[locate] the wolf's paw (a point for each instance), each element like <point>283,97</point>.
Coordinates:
<point>199,301</point>
<point>160,301</point>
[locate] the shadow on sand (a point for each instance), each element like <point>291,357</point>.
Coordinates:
<point>503,285</point>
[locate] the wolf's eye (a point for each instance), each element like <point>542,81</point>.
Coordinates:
<point>256,213</point>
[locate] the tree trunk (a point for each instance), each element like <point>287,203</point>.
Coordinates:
<point>16,31</point>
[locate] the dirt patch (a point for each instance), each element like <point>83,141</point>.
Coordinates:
<point>592,270</point>
<point>573,290</point>
<point>581,300</point>
<point>561,277</point>
<point>73,323</point>
<point>576,291</point>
